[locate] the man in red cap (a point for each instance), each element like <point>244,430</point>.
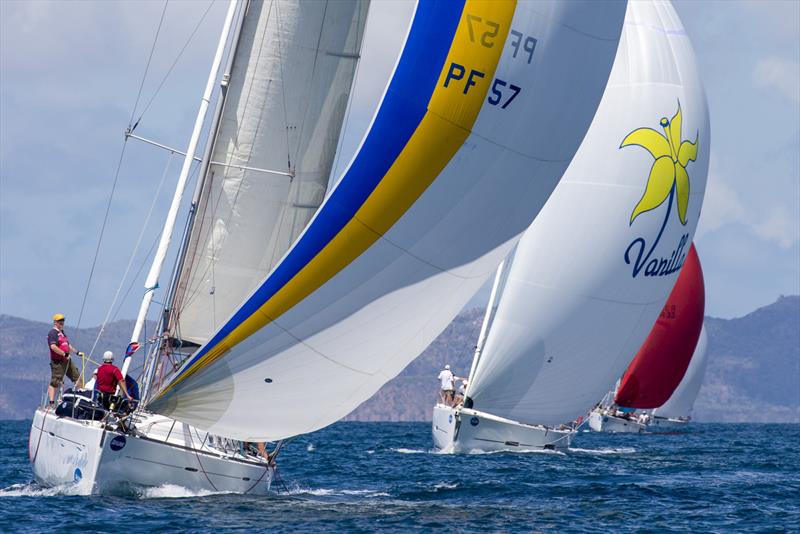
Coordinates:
<point>60,362</point>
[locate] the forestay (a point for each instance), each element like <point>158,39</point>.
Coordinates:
<point>290,81</point>
<point>592,273</point>
<point>661,362</point>
<point>484,109</point>
<point>682,400</point>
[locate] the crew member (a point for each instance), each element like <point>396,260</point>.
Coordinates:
<point>108,378</point>
<point>448,385</point>
<point>462,390</point>
<point>60,362</point>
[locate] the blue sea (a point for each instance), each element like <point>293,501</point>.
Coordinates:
<point>363,477</point>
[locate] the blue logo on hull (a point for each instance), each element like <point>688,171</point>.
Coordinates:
<point>117,443</point>
<point>77,476</point>
<point>474,421</point>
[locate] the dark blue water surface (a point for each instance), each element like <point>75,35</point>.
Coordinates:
<point>368,476</point>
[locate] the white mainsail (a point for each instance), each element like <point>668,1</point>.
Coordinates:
<point>273,152</point>
<point>485,108</point>
<point>592,273</point>
<point>682,400</point>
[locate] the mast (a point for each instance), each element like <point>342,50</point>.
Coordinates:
<point>204,165</point>
<point>151,283</point>
<point>491,308</point>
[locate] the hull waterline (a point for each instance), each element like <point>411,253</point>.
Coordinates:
<point>91,459</point>
<point>608,423</point>
<point>461,430</point>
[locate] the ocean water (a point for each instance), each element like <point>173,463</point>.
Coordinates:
<point>363,477</point>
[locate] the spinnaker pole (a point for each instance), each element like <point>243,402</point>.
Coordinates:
<point>151,282</point>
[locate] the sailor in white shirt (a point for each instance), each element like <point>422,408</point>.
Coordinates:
<point>448,385</point>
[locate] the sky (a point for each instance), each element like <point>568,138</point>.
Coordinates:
<point>70,73</point>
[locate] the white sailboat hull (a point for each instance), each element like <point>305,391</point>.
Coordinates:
<point>668,423</point>
<point>608,423</point>
<point>461,430</point>
<point>94,460</point>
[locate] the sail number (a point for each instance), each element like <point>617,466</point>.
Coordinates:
<point>502,93</point>
<point>528,45</point>
<point>484,32</point>
<point>474,22</point>
<point>668,312</point>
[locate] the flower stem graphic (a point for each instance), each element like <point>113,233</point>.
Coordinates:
<point>642,262</point>
<point>663,225</point>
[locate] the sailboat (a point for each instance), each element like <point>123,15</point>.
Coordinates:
<point>675,413</point>
<point>333,295</point>
<point>99,451</point>
<point>587,280</point>
<point>662,361</point>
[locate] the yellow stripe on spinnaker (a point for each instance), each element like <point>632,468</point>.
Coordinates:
<point>444,128</point>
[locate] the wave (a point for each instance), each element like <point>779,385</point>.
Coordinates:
<point>478,452</point>
<point>604,450</point>
<point>173,491</point>
<point>402,450</point>
<point>33,489</point>
<point>325,492</point>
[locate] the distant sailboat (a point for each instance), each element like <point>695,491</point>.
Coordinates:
<point>278,323</point>
<point>663,359</point>
<point>676,411</point>
<point>587,280</point>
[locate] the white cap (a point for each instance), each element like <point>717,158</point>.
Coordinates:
<point>447,367</point>
<point>108,356</point>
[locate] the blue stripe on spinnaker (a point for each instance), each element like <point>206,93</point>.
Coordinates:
<point>403,107</point>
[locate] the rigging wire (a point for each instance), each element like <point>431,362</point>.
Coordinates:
<point>116,177</point>
<point>139,271</point>
<point>102,231</point>
<point>175,62</point>
<point>147,67</point>
<point>125,144</point>
<point>133,253</point>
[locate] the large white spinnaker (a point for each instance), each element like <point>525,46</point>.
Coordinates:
<point>273,152</point>
<point>682,400</point>
<point>592,273</point>
<point>485,108</point>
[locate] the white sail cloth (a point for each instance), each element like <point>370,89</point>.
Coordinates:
<point>452,170</point>
<point>579,300</point>
<point>682,400</point>
<point>288,91</point>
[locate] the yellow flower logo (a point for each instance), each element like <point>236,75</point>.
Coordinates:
<point>668,175</point>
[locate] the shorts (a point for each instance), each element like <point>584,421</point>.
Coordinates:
<point>59,369</point>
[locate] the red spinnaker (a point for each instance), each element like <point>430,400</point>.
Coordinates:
<point>662,360</point>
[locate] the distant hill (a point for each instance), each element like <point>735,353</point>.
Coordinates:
<point>753,372</point>
<point>754,366</point>
<point>24,359</point>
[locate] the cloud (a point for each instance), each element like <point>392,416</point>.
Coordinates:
<point>779,227</point>
<point>781,75</point>
<point>721,205</point>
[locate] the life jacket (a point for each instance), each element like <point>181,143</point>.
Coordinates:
<point>63,344</point>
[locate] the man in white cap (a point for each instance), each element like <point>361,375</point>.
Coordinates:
<point>448,385</point>
<point>108,378</point>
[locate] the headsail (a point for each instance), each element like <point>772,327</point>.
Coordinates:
<point>588,282</point>
<point>660,364</point>
<point>485,108</point>
<point>274,149</point>
<point>682,400</point>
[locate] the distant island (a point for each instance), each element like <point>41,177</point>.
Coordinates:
<point>753,370</point>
